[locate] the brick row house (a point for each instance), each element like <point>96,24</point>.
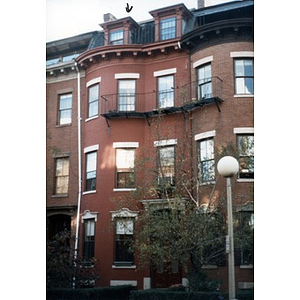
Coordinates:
<point>177,87</point>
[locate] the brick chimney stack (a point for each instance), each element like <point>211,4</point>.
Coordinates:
<point>109,17</point>
<point>201,4</point>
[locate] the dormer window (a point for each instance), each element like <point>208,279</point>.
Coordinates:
<point>116,37</point>
<point>168,28</point>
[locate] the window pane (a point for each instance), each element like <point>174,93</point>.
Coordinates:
<point>91,161</point>
<point>93,93</point>
<point>239,68</point>
<point>166,91</point>
<point>249,87</point>
<point>65,101</point>
<point>248,68</point>
<point>208,170</point>
<point>62,167</point>
<point>93,109</point>
<point>116,37</point>
<point>240,85</point>
<point>207,149</point>
<point>124,227</point>
<point>204,82</point>
<point>125,158</point>
<point>62,183</point>
<point>65,117</point>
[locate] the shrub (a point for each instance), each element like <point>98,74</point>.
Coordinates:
<point>103,293</point>
<point>167,294</point>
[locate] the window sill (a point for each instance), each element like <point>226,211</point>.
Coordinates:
<point>209,267</point>
<point>244,96</point>
<point>63,125</point>
<point>246,266</point>
<point>60,196</point>
<point>245,180</point>
<point>124,267</point>
<point>124,189</point>
<point>89,192</point>
<point>92,118</point>
<point>207,183</point>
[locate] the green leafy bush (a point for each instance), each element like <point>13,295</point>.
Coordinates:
<point>103,293</point>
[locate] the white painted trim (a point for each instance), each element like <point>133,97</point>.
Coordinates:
<point>89,192</point>
<point>163,143</point>
<point>124,189</point>
<point>88,215</point>
<point>243,96</point>
<point>203,61</point>
<point>127,76</point>
<point>185,282</point>
<point>125,144</point>
<point>92,118</point>
<point>93,81</point>
<point>205,135</point>
<point>164,72</point>
<point>91,148</point>
<point>242,54</point>
<point>124,267</point>
<point>239,130</point>
<point>123,282</point>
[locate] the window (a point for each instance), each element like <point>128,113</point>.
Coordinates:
<point>168,28</point>
<point>65,109</point>
<point>166,165</point>
<point>206,162</point>
<point>89,240</point>
<point>116,37</point>
<point>166,91</point>
<point>204,82</point>
<point>62,176</point>
<point>93,100</point>
<point>91,171</point>
<point>124,238</point>
<point>245,145</point>
<point>125,167</point>
<point>244,76</point>
<point>126,96</point>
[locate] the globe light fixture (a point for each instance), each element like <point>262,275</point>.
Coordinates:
<point>228,166</point>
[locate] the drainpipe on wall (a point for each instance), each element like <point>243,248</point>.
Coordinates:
<point>79,162</point>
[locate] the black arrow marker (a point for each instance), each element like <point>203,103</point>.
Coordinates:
<point>128,9</point>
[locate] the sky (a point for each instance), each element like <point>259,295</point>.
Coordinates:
<point>66,18</point>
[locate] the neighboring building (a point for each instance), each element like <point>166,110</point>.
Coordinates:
<point>183,81</point>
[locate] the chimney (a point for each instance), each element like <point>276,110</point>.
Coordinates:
<point>109,17</point>
<point>201,4</point>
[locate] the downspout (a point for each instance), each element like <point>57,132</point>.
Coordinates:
<point>79,162</point>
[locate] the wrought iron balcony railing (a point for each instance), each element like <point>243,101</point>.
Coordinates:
<point>179,98</point>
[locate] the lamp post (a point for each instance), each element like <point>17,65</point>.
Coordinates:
<point>228,166</point>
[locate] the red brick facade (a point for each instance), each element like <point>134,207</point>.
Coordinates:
<point>106,65</point>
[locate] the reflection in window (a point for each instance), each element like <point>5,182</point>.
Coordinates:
<point>246,155</point>
<point>204,82</point>
<point>93,100</point>
<point>91,171</point>
<point>62,176</point>
<point>166,91</point>
<point>65,109</point>
<point>116,37</point>
<point>168,28</point>
<point>206,162</point>
<point>89,240</point>
<point>124,241</point>
<point>126,96</point>
<point>166,167</point>
<point>244,76</point>
<point>125,168</point>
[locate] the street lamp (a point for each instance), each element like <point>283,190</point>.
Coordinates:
<point>228,166</point>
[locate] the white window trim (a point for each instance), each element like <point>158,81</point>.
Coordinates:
<point>203,61</point>
<point>123,282</point>
<point>91,148</point>
<point>127,76</point>
<point>241,130</point>
<point>93,81</point>
<point>87,215</point>
<point>163,143</point>
<point>165,72</point>
<point>205,135</point>
<point>242,54</point>
<point>124,189</point>
<point>125,144</point>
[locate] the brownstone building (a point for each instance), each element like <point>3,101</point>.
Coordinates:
<point>177,87</point>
